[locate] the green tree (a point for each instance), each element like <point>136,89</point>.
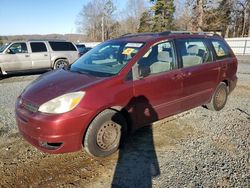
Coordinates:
<point>163,17</point>
<point>229,17</point>
<point>145,22</point>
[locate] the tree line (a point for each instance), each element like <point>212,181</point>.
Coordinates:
<point>230,17</point>
<point>100,20</point>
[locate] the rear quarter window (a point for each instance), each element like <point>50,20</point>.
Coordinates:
<point>221,49</point>
<point>62,46</point>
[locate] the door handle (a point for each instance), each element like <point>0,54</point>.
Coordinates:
<point>45,54</point>
<point>224,67</point>
<point>186,74</point>
<point>27,55</point>
<point>181,75</point>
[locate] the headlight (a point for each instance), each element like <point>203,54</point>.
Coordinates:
<point>63,103</point>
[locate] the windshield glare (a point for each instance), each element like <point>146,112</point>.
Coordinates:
<point>3,47</point>
<point>107,59</point>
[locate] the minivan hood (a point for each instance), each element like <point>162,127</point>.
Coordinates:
<point>56,83</point>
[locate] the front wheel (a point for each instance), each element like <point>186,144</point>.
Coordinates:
<point>219,98</point>
<point>61,63</point>
<point>104,134</point>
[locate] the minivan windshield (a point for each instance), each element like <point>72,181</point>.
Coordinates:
<point>107,59</point>
<point>3,47</point>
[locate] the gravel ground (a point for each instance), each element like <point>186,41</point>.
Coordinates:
<point>198,148</point>
<point>11,87</point>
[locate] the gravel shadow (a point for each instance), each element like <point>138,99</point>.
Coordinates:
<point>137,163</point>
<point>244,112</point>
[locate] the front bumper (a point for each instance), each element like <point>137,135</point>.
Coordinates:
<point>53,133</point>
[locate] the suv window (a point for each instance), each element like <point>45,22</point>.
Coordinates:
<point>159,58</point>
<point>17,48</point>
<point>38,47</point>
<point>62,46</point>
<point>193,52</point>
<point>221,50</point>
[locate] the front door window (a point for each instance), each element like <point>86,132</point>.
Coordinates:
<point>159,58</point>
<point>17,48</point>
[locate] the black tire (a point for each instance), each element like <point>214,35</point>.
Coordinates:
<point>104,134</point>
<point>61,63</point>
<point>219,98</point>
<point>1,74</point>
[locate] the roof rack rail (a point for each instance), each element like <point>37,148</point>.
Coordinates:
<point>189,32</point>
<point>126,34</point>
<point>136,34</point>
<point>174,32</point>
<point>57,40</point>
<point>164,33</point>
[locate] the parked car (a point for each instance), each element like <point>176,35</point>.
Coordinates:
<point>99,100</point>
<point>36,54</point>
<point>82,49</point>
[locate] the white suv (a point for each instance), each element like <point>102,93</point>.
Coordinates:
<point>36,54</point>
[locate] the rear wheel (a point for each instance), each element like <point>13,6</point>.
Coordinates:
<point>219,98</point>
<point>104,133</point>
<point>61,63</point>
<point>1,74</point>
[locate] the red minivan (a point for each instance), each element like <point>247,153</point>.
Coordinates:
<point>122,85</point>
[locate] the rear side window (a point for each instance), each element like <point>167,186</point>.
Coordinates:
<point>62,46</point>
<point>38,47</point>
<point>193,52</point>
<point>221,49</point>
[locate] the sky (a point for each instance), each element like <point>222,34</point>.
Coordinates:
<point>24,17</point>
<point>20,17</point>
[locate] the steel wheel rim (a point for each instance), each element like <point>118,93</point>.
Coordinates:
<point>108,136</point>
<point>220,97</point>
<point>60,64</point>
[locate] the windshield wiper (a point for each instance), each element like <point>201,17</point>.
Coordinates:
<point>91,72</point>
<point>80,71</point>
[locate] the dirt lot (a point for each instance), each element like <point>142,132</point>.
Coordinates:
<point>198,148</point>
